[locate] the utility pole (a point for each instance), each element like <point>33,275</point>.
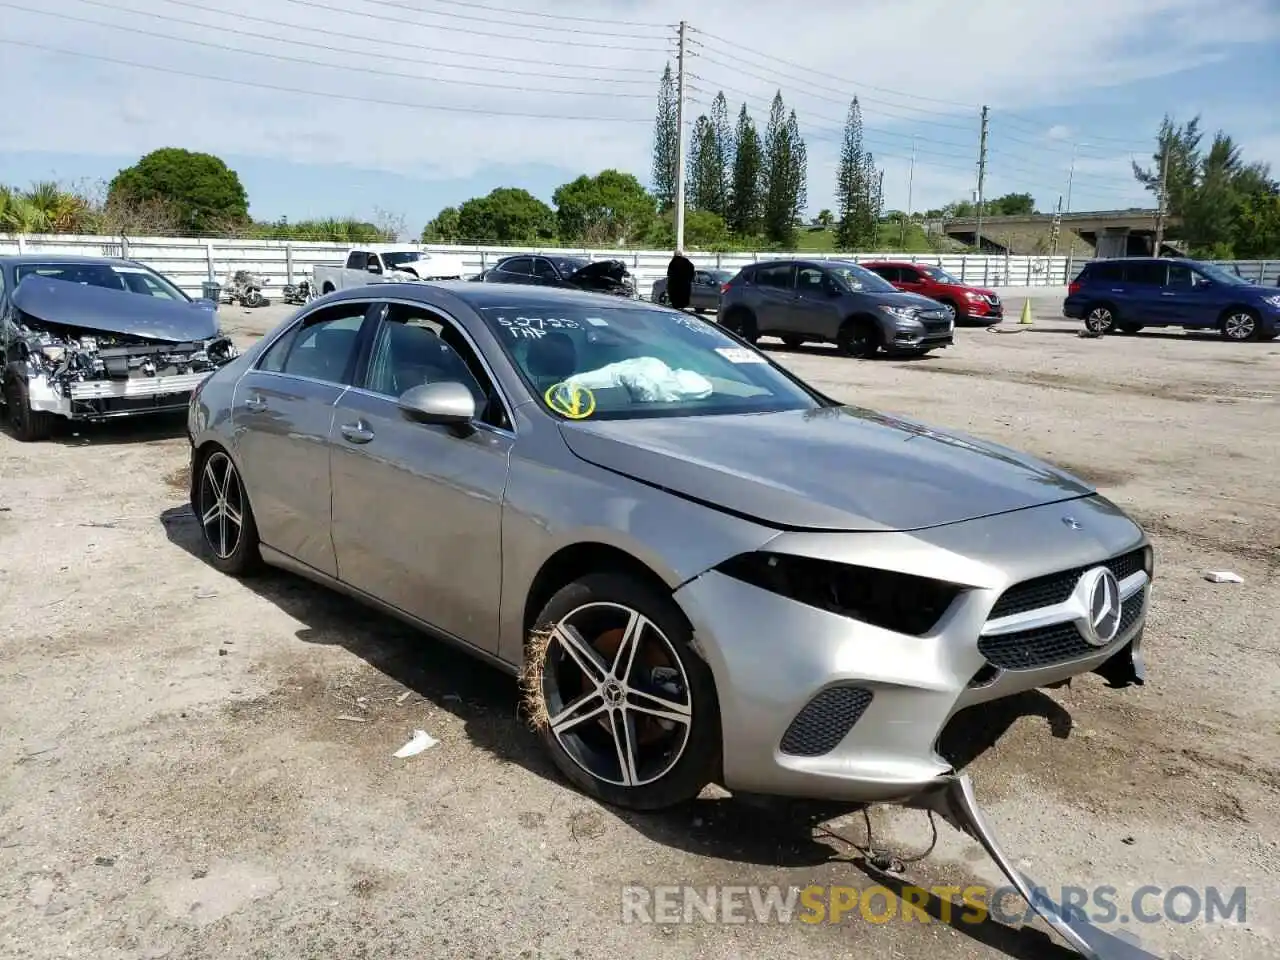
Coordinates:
<point>1071,240</point>
<point>879,208</point>
<point>1164,189</point>
<point>680,140</point>
<point>911,182</point>
<point>1056,230</point>
<point>982,175</point>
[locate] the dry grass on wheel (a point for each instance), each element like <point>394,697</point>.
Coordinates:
<point>532,702</point>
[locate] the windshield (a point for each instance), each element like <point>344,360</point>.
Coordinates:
<point>859,279</point>
<point>591,362</point>
<point>110,275</point>
<point>937,273</point>
<point>400,257</point>
<point>1219,275</point>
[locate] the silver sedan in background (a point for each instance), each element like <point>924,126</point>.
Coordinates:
<point>704,295</point>
<point>707,570</point>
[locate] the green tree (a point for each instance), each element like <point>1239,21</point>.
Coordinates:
<point>611,208</point>
<point>1257,226</point>
<point>722,138</point>
<point>745,199</point>
<point>706,169</point>
<point>1011,205</point>
<point>506,215</point>
<point>780,166</point>
<point>444,228</point>
<point>872,201</point>
<point>826,218</point>
<point>666,142</point>
<point>206,193</point>
<point>703,230</point>
<point>798,170</point>
<point>850,192</point>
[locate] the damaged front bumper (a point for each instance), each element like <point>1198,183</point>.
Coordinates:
<point>98,378</point>
<point>952,798</point>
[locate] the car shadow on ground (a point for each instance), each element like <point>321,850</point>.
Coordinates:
<point>1197,335</point>
<point>121,431</point>
<point>766,832</point>
<point>830,350</point>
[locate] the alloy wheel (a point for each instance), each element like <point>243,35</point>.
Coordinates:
<point>221,505</point>
<point>617,696</point>
<point>1099,320</point>
<point>1239,326</point>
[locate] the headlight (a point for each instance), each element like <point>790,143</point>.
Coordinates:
<point>901,313</point>
<point>1273,301</point>
<point>974,295</point>
<point>900,602</point>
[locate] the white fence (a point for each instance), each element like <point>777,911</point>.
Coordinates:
<point>189,262</point>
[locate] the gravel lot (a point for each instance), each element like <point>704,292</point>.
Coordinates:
<point>177,778</point>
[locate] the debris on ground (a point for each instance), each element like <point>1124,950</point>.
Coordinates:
<point>349,717</point>
<point>421,741</point>
<point>1223,576</point>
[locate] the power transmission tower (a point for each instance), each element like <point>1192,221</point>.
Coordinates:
<point>1164,192</point>
<point>982,176</point>
<point>680,140</point>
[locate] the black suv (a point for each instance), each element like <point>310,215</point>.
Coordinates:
<point>598,276</point>
<point>834,301</point>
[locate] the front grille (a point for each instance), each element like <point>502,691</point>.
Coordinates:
<point>937,326</point>
<point>824,721</point>
<point>1056,587</point>
<point>993,300</point>
<point>1050,646</point>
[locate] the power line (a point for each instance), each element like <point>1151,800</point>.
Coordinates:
<point>279,88</point>
<point>471,5</point>
<point>557,41</point>
<point>282,58</point>
<point>381,55</point>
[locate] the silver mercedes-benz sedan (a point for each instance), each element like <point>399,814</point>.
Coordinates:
<point>704,569</point>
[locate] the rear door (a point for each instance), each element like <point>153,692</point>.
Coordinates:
<point>1144,289</point>
<point>706,291</point>
<point>774,288</point>
<point>514,270</point>
<point>283,411</point>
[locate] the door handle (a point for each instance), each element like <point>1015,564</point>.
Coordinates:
<point>1168,293</point>
<point>255,403</point>
<point>357,432</point>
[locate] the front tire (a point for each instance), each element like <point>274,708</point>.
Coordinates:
<point>625,707</point>
<point>743,324</point>
<point>28,426</point>
<point>222,510</point>
<point>1241,325</point>
<point>858,338</point>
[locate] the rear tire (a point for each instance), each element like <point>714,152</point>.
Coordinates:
<point>793,343</point>
<point>28,426</point>
<point>858,338</point>
<point>628,657</point>
<point>1129,328</point>
<point>742,323</point>
<point>1100,319</point>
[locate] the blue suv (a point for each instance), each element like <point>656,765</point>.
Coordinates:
<point>1128,293</point>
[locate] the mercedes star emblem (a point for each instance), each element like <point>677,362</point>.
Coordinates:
<point>1102,592</point>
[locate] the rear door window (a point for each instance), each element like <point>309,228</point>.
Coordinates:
<point>522,266</point>
<point>1146,273</point>
<point>778,277</point>
<point>1105,273</point>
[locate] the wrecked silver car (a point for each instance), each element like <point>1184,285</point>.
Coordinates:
<point>88,338</point>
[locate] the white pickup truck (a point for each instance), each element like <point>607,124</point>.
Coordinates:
<point>380,263</point>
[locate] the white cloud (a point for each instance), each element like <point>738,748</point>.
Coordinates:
<point>1019,57</point>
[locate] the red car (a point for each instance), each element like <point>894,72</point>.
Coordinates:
<point>964,302</point>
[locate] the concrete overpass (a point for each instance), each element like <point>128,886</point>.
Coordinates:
<point>1112,233</point>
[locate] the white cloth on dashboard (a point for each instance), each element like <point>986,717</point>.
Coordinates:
<point>647,379</point>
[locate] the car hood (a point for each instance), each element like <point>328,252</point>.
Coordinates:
<point>836,468</point>
<point>102,309</point>
<point>613,270</point>
<point>901,298</point>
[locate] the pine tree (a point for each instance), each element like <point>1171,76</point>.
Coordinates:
<point>798,183</point>
<point>779,176</point>
<point>849,187</point>
<point>722,134</point>
<point>705,169</point>
<point>748,161</point>
<point>871,202</point>
<point>666,142</point>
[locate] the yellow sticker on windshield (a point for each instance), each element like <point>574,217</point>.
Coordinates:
<point>571,400</point>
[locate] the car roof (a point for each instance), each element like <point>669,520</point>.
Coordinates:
<point>478,295</point>
<point>17,259</point>
<point>892,263</point>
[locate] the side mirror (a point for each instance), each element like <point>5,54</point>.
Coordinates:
<point>448,403</point>
<point>374,268</point>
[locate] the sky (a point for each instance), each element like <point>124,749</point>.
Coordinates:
<point>403,107</point>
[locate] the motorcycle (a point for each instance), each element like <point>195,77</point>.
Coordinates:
<point>299,293</point>
<point>245,289</point>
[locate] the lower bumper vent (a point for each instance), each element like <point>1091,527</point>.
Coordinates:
<point>824,721</point>
<point>1050,646</point>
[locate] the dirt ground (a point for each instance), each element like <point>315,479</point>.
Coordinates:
<point>181,776</point>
